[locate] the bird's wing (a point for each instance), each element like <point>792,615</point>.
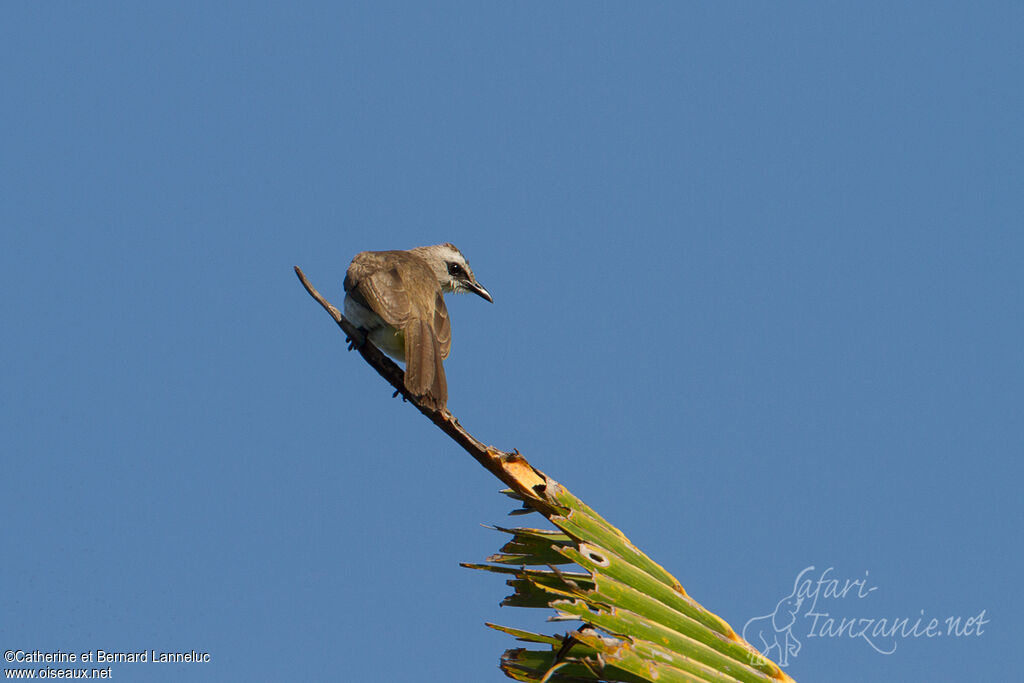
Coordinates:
<point>442,325</point>
<point>382,289</point>
<point>424,373</point>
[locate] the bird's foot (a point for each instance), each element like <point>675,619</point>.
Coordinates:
<point>357,341</point>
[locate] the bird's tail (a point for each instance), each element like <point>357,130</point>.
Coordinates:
<point>424,373</point>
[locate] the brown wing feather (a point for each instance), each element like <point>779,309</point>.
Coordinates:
<point>424,372</point>
<point>384,291</point>
<point>442,325</point>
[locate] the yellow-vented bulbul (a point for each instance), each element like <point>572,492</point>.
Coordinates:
<point>397,298</point>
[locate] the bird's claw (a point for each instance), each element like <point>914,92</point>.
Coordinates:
<point>356,341</point>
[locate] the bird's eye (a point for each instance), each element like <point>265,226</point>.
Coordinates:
<point>455,270</point>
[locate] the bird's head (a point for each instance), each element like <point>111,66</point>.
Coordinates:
<point>451,269</point>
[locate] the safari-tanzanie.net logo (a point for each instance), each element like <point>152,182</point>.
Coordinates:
<point>823,606</point>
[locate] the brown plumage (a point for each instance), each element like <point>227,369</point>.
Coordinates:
<point>397,297</point>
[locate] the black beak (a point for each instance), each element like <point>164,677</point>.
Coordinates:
<point>477,288</point>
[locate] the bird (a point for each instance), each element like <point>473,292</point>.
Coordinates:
<point>397,299</point>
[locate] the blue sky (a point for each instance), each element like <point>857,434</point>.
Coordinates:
<point>758,300</point>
